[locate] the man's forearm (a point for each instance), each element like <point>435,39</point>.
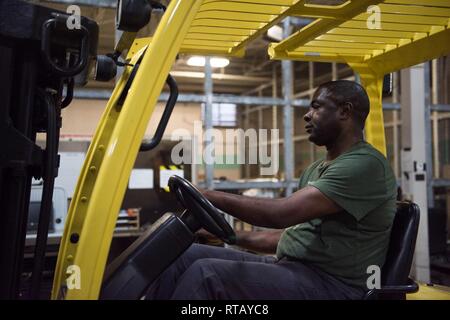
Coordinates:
<point>256,211</point>
<point>259,241</point>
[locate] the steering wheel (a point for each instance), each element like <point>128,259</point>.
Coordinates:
<point>196,204</point>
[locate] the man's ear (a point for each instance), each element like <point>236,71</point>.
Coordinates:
<point>346,111</point>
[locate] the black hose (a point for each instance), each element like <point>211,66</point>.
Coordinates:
<point>157,5</point>
<point>69,94</point>
<point>47,193</point>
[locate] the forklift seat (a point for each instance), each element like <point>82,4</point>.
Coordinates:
<point>395,281</point>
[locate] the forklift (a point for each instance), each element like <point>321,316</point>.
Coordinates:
<point>194,27</point>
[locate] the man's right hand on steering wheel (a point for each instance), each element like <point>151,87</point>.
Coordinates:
<point>200,211</point>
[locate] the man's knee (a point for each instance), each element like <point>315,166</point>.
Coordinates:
<point>188,257</point>
<point>194,252</point>
<point>200,281</point>
<point>202,267</point>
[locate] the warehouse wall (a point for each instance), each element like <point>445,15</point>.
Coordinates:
<point>81,118</point>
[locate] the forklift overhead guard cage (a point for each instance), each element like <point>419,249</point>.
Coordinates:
<point>373,41</point>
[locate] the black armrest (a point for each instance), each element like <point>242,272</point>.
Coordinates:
<point>410,287</point>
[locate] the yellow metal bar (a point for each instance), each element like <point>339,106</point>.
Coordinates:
<point>411,32</point>
<point>426,292</point>
<point>320,26</point>
<point>245,7</point>
<point>341,11</point>
<point>285,11</point>
<point>122,139</point>
<point>314,56</point>
<point>137,46</point>
<point>403,18</point>
<point>77,211</point>
<point>387,26</point>
<point>208,50</point>
<point>412,53</point>
<point>258,2</point>
<point>216,37</point>
<point>249,18</point>
<point>211,43</point>
<point>413,9</point>
<point>212,29</point>
<point>374,128</point>
<point>434,3</point>
<point>194,49</point>
<point>349,50</point>
<point>225,27</point>
<point>361,39</point>
<point>227,24</point>
<point>125,41</point>
<point>373,33</point>
<point>236,16</point>
<point>340,44</point>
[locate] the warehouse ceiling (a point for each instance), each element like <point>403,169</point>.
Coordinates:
<point>251,75</point>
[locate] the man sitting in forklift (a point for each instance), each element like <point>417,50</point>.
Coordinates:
<point>330,231</point>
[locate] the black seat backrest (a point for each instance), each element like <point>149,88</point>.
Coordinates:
<point>401,245</point>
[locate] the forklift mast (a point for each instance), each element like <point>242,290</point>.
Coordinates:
<point>41,60</point>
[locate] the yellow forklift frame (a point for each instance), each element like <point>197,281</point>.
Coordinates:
<point>412,31</point>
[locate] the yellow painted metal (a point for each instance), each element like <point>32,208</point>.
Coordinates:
<point>410,19</point>
<point>339,45</point>
<point>319,50</point>
<point>373,83</point>
<point>409,32</point>
<point>228,24</point>
<point>125,41</point>
<point>138,45</point>
<point>216,37</point>
<point>78,207</point>
<point>232,7</point>
<point>412,9</point>
<point>226,27</point>
<point>387,26</point>
<point>194,49</point>
<point>436,3</point>
<point>374,33</point>
<point>320,26</point>
<point>105,174</point>
<point>435,292</point>
<point>412,31</point>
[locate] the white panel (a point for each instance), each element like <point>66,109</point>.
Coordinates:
<point>69,171</point>
<point>141,179</point>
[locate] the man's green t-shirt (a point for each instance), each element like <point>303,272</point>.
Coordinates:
<point>344,244</point>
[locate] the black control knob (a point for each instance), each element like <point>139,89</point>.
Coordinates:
<point>106,69</point>
<point>132,15</point>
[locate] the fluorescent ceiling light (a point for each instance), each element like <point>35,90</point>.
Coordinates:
<point>275,33</point>
<point>219,62</point>
<point>197,61</point>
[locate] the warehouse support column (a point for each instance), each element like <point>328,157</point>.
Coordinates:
<point>286,69</point>
<point>428,136</point>
<point>413,160</point>
<point>207,127</point>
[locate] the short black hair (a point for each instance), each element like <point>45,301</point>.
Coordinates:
<point>342,91</point>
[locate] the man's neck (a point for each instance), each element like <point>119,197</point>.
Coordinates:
<point>341,146</point>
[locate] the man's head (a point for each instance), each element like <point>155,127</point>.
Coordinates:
<point>336,107</point>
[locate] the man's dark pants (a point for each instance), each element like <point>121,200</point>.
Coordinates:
<point>206,273</point>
